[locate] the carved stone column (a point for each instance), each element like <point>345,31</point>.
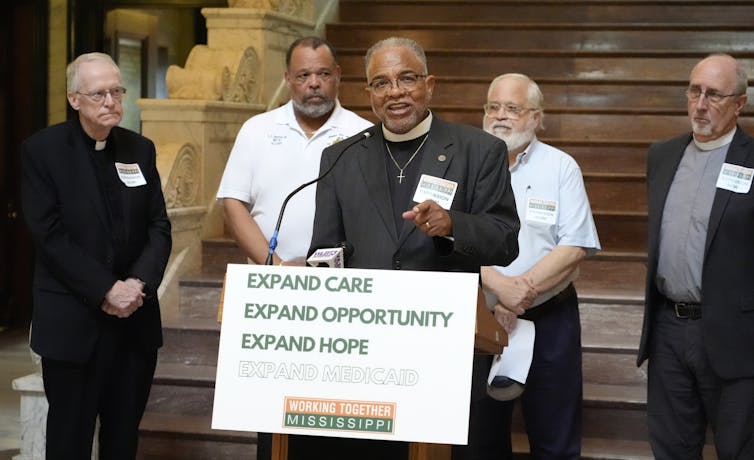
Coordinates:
<point>193,140</point>
<point>268,31</point>
<point>223,83</point>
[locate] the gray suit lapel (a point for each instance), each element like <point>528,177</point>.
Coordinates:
<point>372,164</point>
<point>738,154</point>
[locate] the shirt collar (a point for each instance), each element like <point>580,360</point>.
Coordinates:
<point>716,143</point>
<point>523,157</point>
<point>288,117</point>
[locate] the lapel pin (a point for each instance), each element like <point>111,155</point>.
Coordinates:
<point>441,157</point>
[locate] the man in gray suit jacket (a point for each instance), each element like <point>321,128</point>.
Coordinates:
<point>415,192</point>
<point>93,202</point>
<point>698,329</point>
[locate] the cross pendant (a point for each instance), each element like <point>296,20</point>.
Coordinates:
<point>400,177</point>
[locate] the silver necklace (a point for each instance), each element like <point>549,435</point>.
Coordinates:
<point>400,175</point>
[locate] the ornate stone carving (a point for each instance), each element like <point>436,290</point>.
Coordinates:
<point>244,87</point>
<point>297,8</point>
<point>215,74</point>
<point>182,189</point>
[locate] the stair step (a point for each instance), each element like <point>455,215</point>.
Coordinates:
<point>624,231</point>
<point>218,252</point>
<point>649,65</point>
<point>615,367</point>
<point>676,37</point>
<point>611,327</point>
<point>594,448</point>
<point>616,192</point>
<point>472,92</point>
<point>589,124</point>
<point>515,11</point>
<point>184,437</point>
<point>614,281</point>
<point>190,341</point>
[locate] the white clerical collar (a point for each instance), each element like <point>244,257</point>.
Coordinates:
<point>716,143</point>
<point>100,145</point>
<point>418,130</point>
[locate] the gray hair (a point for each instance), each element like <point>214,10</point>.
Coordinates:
<point>398,42</point>
<point>72,71</point>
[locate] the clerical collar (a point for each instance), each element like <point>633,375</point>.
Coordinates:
<point>91,142</point>
<point>419,130</point>
<point>716,143</point>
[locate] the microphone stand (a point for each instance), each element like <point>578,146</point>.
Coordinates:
<point>274,239</point>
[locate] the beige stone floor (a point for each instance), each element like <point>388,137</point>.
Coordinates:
<point>15,361</point>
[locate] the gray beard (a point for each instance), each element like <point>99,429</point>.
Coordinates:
<point>518,140</point>
<point>314,110</point>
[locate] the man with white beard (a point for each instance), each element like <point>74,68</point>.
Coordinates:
<point>557,232</point>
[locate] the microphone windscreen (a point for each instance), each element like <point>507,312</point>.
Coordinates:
<point>327,257</point>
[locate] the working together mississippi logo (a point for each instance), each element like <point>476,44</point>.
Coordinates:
<point>335,414</point>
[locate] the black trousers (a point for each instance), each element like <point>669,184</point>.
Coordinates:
<point>684,395</point>
<point>552,398</point>
<point>114,385</point>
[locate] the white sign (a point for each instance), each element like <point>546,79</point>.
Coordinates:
<point>376,354</point>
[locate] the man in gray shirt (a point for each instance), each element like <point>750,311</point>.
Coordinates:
<point>698,331</point>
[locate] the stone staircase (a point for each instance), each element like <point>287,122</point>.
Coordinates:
<point>613,74</point>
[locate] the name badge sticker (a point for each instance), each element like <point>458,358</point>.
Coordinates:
<point>130,174</point>
<point>735,178</point>
<point>436,188</point>
<point>541,211</point>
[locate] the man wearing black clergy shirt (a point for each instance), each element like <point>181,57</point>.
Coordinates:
<point>367,199</point>
<point>93,202</point>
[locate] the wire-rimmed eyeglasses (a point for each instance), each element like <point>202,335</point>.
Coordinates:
<point>407,82</point>
<point>99,96</point>
<point>693,93</point>
<point>491,109</point>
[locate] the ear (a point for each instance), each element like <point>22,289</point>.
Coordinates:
<point>73,100</point>
<point>288,83</point>
<point>337,73</point>
<point>741,103</point>
<point>429,81</point>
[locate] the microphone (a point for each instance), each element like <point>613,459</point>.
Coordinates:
<point>335,257</point>
<point>274,240</point>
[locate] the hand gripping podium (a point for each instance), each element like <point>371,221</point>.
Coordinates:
<point>489,338</point>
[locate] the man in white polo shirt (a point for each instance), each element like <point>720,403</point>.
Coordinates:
<point>557,232</point>
<point>279,150</point>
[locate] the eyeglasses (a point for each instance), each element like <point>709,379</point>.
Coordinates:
<point>303,77</point>
<point>512,110</point>
<point>99,96</point>
<point>693,93</point>
<point>407,82</point>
